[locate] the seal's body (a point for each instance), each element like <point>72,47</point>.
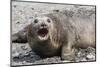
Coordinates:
<point>59,34</point>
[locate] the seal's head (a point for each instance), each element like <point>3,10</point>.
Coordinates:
<point>41,26</point>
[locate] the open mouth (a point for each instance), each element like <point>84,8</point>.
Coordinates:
<point>42,32</point>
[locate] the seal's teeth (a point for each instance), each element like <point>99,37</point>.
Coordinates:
<point>43,27</point>
<point>43,38</point>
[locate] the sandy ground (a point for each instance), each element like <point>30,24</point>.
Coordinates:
<point>22,13</point>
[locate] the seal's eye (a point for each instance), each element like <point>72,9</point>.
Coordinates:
<point>36,21</point>
<point>48,20</point>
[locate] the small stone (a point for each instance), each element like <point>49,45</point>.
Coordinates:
<point>89,56</point>
<point>32,8</point>
<point>15,6</point>
<point>56,10</point>
<point>17,22</point>
<point>83,59</point>
<point>30,17</point>
<point>24,48</point>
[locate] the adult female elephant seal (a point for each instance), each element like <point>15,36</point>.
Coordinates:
<point>59,34</point>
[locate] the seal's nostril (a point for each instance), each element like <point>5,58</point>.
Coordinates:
<point>43,25</point>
